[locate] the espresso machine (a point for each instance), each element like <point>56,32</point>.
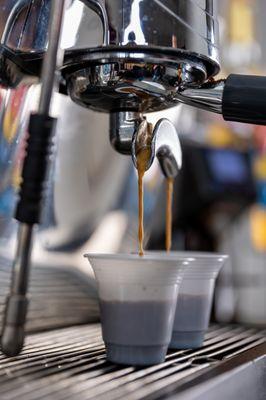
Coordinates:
<point>131,67</point>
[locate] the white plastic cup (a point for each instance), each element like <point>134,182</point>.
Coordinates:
<point>137,304</point>
<point>195,296</point>
<point>194,301</point>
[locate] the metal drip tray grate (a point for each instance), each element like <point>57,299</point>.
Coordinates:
<point>59,297</point>
<point>70,363</point>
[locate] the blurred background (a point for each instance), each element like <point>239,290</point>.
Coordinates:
<point>91,202</point>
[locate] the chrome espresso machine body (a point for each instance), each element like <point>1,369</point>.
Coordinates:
<point>144,56</point>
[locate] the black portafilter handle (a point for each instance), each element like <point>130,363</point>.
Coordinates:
<point>28,212</point>
<point>244,99</point>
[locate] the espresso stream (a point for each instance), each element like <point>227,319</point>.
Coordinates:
<point>143,158</point>
<point>169,206</point>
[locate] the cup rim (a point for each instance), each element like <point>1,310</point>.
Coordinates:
<point>136,257</point>
<point>195,255</point>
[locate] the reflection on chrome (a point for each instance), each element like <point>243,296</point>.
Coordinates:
<point>133,32</point>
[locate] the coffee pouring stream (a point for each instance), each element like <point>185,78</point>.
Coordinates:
<point>161,142</point>
<point>152,55</point>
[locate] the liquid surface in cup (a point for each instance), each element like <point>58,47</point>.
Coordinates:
<point>192,312</point>
<point>143,158</point>
<point>169,207</point>
<point>137,323</point>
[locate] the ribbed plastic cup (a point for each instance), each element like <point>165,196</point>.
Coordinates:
<point>194,301</point>
<point>137,304</point>
<point>195,297</point>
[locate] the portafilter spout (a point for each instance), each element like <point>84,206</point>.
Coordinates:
<point>130,133</point>
<point>164,144</point>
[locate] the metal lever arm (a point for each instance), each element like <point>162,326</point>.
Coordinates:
<point>34,172</point>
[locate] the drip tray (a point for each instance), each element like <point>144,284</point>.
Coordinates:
<point>70,363</point>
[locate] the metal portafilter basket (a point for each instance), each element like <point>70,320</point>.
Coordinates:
<point>152,55</point>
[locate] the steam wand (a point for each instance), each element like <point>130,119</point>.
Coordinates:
<point>41,127</point>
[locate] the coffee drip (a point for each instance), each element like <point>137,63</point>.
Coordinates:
<point>168,219</point>
<point>143,157</point>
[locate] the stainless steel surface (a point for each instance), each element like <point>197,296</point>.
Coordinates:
<point>129,78</point>
<point>70,364</point>
<point>208,97</point>
<point>24,25</point>
<point>167,148</point>
<point>12,337</point>
<point>23,32</point>
<point>112,75</point>
<point>11,20</point>
<point>123,126</point>
<point>22,259</point>
<point>144,65</point>
<point>82,135</point>
<point>53,58</point>
<point>189,24</point>
<point>61,295</point>
<point>128,130</point>
<point>99,7</point>
<point>13,120</point>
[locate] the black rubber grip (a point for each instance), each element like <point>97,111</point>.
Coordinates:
<point>244,99</point>
<point>34,171</point>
